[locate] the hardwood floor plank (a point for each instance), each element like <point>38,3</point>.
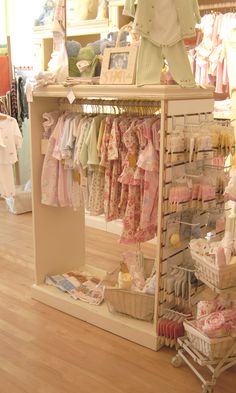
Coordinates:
<point>43,350</point>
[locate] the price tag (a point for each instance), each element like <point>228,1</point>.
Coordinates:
<point>209,204</point>
<point>205,155</point>
<point>71,97</point>
<point>82,65</point>
<point>178,156</point>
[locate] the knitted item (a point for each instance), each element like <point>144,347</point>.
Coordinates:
<point>87,54</point>
<point>73,48</point>
<point>73,69</point>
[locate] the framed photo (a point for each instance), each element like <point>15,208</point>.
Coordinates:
<point>119,66</point>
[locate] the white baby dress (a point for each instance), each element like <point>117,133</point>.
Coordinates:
<point>10,142</point>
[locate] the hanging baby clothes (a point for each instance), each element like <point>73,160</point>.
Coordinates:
<point>56,182</point>
<point>10,142</point>
<point>230,50</point>
<point>109,164</point>
<point>141,160</point>
<point>163,24</point>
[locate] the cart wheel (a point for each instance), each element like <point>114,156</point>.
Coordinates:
<point>176,361</point>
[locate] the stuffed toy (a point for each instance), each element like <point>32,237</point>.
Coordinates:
<point>87,62</point>
<point>85,9</point>
<point>73,49</point>
<point>102,9</point>
<point>47,13</point>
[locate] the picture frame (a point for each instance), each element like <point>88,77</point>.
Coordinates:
<point>119,66</point>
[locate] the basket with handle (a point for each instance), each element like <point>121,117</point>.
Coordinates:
<point>119,63</point>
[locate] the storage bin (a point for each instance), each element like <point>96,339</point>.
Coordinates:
<point>221,278</point>
<point>21,202</point>
<point>135,304</point>
<point>213,348</point>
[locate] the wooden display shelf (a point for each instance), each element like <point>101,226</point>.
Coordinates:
<point>157,92</point>
<point>59,234</point>
<point>141,332</point>
<point>84,27</point>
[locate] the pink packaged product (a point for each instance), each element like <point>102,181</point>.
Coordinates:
<point>218,324</point>
<point>205,308</point>
<point>216,318</point>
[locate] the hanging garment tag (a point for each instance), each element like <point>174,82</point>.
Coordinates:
<point>71,97</point>
<point>76,176</point>
<point>83,65</point>
<point>132,158</point>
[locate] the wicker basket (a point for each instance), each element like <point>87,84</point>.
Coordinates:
<point>20,203</point>
<point>221,278</point>
<point>135,304</point>
<point>213,348</point>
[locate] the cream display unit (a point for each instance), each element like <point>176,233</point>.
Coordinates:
<point>59,233</point>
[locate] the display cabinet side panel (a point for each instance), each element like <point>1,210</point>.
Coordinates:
<point>58,232</point>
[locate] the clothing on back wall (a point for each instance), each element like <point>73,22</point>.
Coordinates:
<point>10,142</point>
<point>210,62</point>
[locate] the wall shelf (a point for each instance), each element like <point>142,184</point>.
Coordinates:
<point>85,27</point>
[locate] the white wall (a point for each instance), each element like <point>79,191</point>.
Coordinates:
<point>3,37</point>
<point>21,16</point>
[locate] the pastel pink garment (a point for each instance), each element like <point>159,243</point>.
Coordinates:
<point>49,123</point>
<point>204,49</point>
<point>56,182</point>
<point>149,161</point>
<point>218,324</point>
<point>141,212</point>
<point>131,217</point>
<point>110,160</point>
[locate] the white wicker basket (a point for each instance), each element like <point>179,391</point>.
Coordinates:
<point>213,348</point>
<point>20,203</point>
<point>135,304</point>
<point>222,278</point>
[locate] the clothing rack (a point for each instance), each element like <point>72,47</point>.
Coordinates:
<point>144,107</point>
<point>173,101</point>
<point>229,6</point>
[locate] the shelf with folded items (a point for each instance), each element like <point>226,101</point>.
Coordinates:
<point>132,329</point>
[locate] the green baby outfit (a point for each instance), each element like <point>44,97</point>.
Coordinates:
<point>163,24</point>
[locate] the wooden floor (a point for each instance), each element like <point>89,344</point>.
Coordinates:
<point>45,351</point>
